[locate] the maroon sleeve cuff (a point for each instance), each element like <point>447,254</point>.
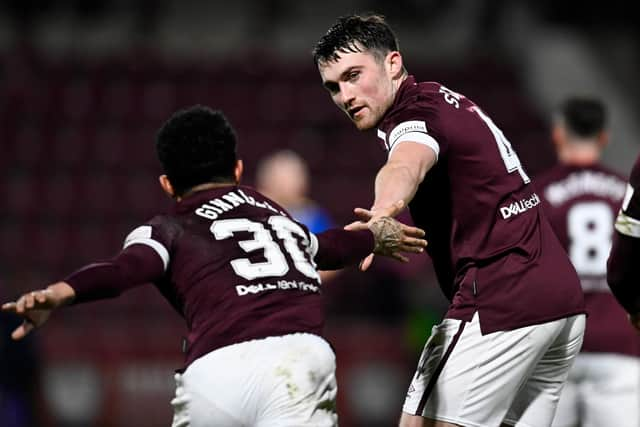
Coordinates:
<point>338,248</point>
<point>623,272</point>
<point>135,265</point>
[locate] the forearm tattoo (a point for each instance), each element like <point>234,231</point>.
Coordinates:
<point>388,234</point>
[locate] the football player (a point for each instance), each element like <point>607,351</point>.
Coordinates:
<point>581,197</point>
<point>242,273</point>
<point>516,318</point>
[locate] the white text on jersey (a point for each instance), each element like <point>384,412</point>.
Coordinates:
<point>213,208</point>
<point>522,205</point>
<point>280,284</point>
<point>585,182</point>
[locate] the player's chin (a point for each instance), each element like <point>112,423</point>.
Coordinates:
<point>363,123</point>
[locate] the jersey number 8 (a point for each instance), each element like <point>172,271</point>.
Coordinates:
<point>589,227</point>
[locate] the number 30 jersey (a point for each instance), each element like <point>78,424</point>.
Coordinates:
<point>233,263</point>
<point>493,249</point>
<point>582,203</point>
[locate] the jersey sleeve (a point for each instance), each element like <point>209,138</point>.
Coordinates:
<point>144,258</point>
<point>336,248</point>
<point>623,273</point>
<point>411,124</point>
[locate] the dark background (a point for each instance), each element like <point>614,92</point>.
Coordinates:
<point>85,85</point>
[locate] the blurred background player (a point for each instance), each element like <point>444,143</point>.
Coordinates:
<point>284,178</point>
<point>498,262</point>
<point>242,274</point>
<point>581,198</point>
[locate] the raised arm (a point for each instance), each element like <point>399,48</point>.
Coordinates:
<point>135,265</point>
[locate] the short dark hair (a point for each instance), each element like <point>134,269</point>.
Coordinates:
<point>584,117</point>
<point>356,33</point>
<point>195,146</point>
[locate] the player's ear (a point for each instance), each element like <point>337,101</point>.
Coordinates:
<point>603,138</point>
<point>394,64</point>
<point>166,185</point>
<point>558,136</point>
<point>237,172</point>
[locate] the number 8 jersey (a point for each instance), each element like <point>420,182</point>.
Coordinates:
<point>233,263</point>
<point>582,204</point>
<point>493,250</point>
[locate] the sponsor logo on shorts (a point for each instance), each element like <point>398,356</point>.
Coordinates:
<point>521,206</point>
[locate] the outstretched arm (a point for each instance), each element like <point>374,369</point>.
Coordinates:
<point>400,177</point>
<point>385,236</point>
<point>397,180</point>
<point>135,265</point>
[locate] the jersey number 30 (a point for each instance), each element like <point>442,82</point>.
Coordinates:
<point>276,264</point>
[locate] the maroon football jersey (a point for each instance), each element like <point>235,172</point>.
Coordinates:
<point>492,247</point>
<point>233,263</point>
<point>582,203</point>
<point>622,266</point>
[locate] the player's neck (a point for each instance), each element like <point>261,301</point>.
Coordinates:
<point>580,154</point>
<point>204,187</point>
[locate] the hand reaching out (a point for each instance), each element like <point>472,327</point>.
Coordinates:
<point>392,238</point>
<point>35,307</point>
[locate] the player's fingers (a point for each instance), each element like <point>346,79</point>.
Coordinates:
<point>22,330</point>
<point>410,241</point>
<point>411,249</point>
<point>399,257</point>
<point>356,225</point>
<point>363,214</point>
<point>20,304</point>
<point>412,231</point>
<point>366,263</point>
<point>41,297</point>
<point>9,307</point>
<point>30,300</point>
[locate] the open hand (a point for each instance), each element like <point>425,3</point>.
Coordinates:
<point>392,238</point>
<point>35,307</point>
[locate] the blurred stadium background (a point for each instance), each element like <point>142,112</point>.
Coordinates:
<point>84,86</point>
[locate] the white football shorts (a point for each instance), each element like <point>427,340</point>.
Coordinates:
<point>603,389</point>
<point>512,377</point>
<point>273,382</point>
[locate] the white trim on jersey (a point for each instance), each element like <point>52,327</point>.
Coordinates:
<point>142,236</point>
<point>383,137</point>
<point>627,225</point>
<point>420,138</point>
<point>627,197</point>
<point>313,245</point>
